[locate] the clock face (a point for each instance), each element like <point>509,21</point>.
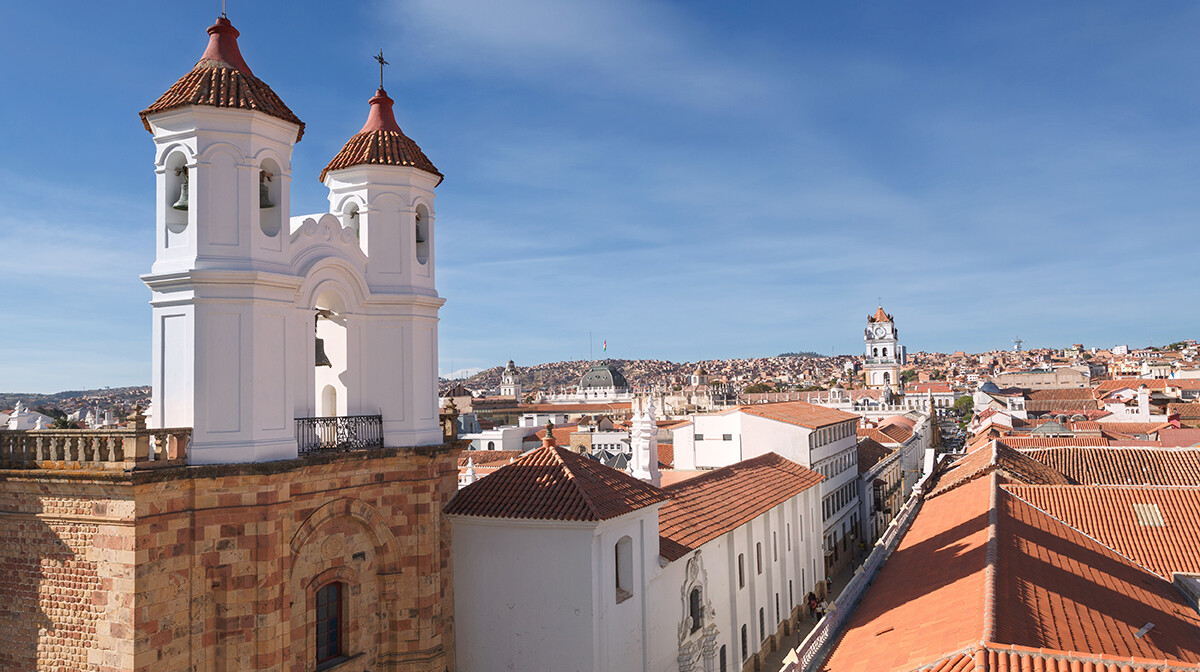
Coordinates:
<point>879,332</point>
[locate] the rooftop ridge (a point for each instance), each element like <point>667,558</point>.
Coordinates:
<point>991,558</point>
<point>583,493</point>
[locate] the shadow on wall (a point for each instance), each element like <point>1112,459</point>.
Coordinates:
<point>47,592</point>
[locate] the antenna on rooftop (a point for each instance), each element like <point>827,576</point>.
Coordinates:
<point>382,62</point>
<point>1017,344</point>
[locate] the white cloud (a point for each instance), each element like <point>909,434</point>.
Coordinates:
<point>642,48</point>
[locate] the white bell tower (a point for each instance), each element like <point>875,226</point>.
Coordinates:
<point>222,295</point>
<point>381,187</point>
<point>510,383</point>
<point>881,368</point>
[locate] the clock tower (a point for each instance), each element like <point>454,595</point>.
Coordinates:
<point>884,354</point>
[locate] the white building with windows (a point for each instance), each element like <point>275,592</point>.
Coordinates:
<point>884,354</point>
<point>561,563</point>
<point>822,439</point>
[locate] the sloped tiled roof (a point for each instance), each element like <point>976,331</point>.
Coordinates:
<point>490,457</point>
<point>870,453</point>
<point>980,571</point>
<point>1122,466</point>
<point>879,316</point>
<point>703,508</point>
<point>666,454</point>
<point>553,483</point>
<point>1114,516</point>
<point>1061,394</point>
<point>1133,427</point>
<point>1059,589</point>
<point>997,457</point>
<point>874,435</point>
<point>897,433</point>
<point>799,413</point>
<point>1054,442</point>
<point>222,79</point>
<point>381,143</point>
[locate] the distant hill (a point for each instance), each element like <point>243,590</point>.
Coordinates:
<point>801,354</point>
<point>71,400</point>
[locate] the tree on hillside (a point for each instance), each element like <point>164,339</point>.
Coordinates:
<point>756,388</point>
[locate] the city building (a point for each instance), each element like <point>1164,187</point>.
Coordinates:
<point>282,511</point>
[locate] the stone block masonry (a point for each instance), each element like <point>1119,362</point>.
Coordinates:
<point>216,568</point>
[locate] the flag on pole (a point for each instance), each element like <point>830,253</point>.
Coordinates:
<point>604,348</point>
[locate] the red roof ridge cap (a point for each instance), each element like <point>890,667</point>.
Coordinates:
<point>381,117</point>
<point>223,47</point>
<point>991,558</point>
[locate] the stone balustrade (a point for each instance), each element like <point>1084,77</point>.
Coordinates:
<point>124,448</point>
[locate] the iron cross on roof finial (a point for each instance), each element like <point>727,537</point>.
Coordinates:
<point>223,10</point>
<point>382,62</point>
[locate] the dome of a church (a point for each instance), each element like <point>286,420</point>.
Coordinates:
<point>221,78</point>
<point>602,376</point>
<point>989,387</point>
<point>381,143</point>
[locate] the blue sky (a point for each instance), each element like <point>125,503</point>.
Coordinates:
<point>685,180</point>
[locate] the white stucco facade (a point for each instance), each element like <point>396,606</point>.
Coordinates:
<point>543,595</point>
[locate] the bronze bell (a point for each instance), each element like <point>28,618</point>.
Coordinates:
<point>420,238</point>
<point>264,192</point>
<point>322,358</point>
<point>182,203</point>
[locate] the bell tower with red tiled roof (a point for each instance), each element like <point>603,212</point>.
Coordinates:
<point>884,354</point>
<point>221,280</point>
<point>382,185</point>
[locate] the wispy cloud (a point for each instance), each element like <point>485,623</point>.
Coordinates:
<point>641,48</point>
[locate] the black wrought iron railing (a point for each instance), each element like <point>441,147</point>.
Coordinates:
<point>338,434</point>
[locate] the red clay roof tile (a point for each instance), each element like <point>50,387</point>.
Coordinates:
<point>704,507</point>
<point>381,143</point>
<point>799,413</point>
<point>1122,466</point>
<point>553,483</point>
<point>222,79</point>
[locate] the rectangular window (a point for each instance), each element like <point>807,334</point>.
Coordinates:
<point>791,596</point>
<point>762,624</point>
<point>699,437</point>
<point>789,536</point>
<point>745,645</point>
<point>329,622</point>
<point>777,618</point>
<point>727,437</point>
<point>774,546</point>
<point>741,570</point>
<point>758,555</point>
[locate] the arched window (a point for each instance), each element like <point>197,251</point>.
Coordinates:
<point>875,352</point>
<point>624,569</point>
<point>695,609</point>
<point>724,663</point>
<point>491,445</point>
<point>330,630</point>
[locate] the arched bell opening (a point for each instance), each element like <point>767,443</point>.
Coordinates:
<point>422,233</point>
<point>176,199</point>
<point>270,215</point>
<point>330,354</point>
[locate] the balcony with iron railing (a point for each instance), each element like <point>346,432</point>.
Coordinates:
<point>881,360</point>
<point>337,434</point>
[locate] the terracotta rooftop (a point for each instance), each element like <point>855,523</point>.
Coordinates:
<point>1053,442</point>
<point>553,483</point>
<point>1157,527</point>
<point>1186,436</point>
<point>1107,386</point>
<point>879,316</point>
<point>799,413</point>
<point>997,457</point>
<point>221,78</point>
<point>703,508</point>
<point>381,143</point>
<point>897,433</point>
<point>1062,394</point>
<point>870,453</point>
<point>1122,466</point>
<point>488,457</point>
<point>874,435</point>
<point>982,569</point>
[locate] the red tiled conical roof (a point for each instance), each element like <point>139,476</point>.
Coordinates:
<point>381,143</point>
<point>221,78</point>
<point>879,316</point>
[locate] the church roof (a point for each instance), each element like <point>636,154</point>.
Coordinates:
<point>879,316</point>
<point>221,78</point>
<point>553,483</point>
<point>602,376</point>
<point>381,143</point>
